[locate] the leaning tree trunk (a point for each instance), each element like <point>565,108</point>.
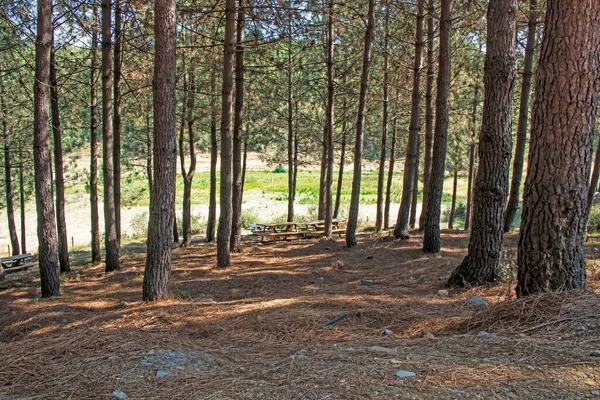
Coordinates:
<point>379,216</point>
<point>412,148</point>
<point>111,241</point>
<point>340,180</point>
<point>162,200</point>
<point>330,121</point>
<point>8,186</point>
<point>390,177</point>
<point>61,219</point>
<point>427,159</point>
<point>472,149</point>
<point>214,151</point>
<point>551,252</point>
<point>236,216</point>
<point>118,44</point>
<point>224,230</point>
<point>360,127</point>
<point>94,137</point>
<point>431,237</point>
<point>482,263</point>
<point>46,222</point>
<point>415,193</point>
<point>517,174</point>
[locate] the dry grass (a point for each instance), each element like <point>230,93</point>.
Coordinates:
<point>272,303</point>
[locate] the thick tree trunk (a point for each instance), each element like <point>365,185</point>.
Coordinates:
<point>117,118</point>
<point>46,222</point>
<point>111,241</point>
<point>8,186</point>
<point>412,148</point>
<point>340,180</point>
<point>360,127</point>
<point>61,219</point>
<point>431,238</point>
<point>162,200</point>
<point>214,151</point>
<point>236,217</point>
<point>330,121</point>
<point>472,154</point>
<point>551,252</point>
<point>224,230</point>
<point>453,205</point>
<point>517,174</point>
<point>427,159</point>
<point>96,256</point>
<point>482,263</point>
<point>390,177</point>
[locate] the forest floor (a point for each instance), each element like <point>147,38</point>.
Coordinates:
<point>255,330</point>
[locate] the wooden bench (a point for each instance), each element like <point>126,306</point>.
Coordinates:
<point>9,265</point>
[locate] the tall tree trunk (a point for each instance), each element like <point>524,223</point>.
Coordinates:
<point>321,205</point>
<point>515,184</point>
<point>472,154</point>
<point>149,173</point>
<point>330,121</point>
<point>224,230</point>
<point>162,200</point>
<point>390,177</point>
<point>482,263</point>
<point>427,159</point>
<point>551,252</point>
<point>415,193</point>
<point>236,217</point>
<point>290,122</point>
<point>384,125</point>
<point>8,187</point>
<point>431,238</point>
<point>340,180</point>
<point>593,187</point>
<point>46,222</point>
<point>412,148</point>
<point>188,175</point>
<point>453,205</point>
<point>360,127</point>
<point>96,256</point>
<point>22,204</point>
<point>214,151</point>
<point>61,219</point>
<point>117,118</point>
<point>111,241</point>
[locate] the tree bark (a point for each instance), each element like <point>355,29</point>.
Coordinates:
<point>340,180</point>
<point>517,174</point>
<point>224,230</point>
<point>593,188</point>
<point>22,204</point>
<point>236,217</point>
<point>110,231</point>
<point>46,222</point>
<point>453,205</point>
<point>551,252</point>
<point>482,263</point>
<point>96,256</point>
<point>188,175</point>
<point>415,193</point>
<point>360,127</point>
<point>390,177</point>
<point>412,148</point>
<point>162,200</point>
<point>427,158</point>
<point>431,238</point>
<point>472,154</point>
<point>214,151</point>
<point>290,122</point>
<point>330,120</point>
<point>61,219</point>
<point>118,44</point>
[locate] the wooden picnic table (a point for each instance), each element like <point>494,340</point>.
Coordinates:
<point>15,263</point>
<point>290,230</point>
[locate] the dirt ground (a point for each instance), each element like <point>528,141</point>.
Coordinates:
<point>255,330</point>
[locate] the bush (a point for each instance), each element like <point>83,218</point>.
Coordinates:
<point>249,217</point>
<point>594,219</point>
<point>279,169</point>
<point>198,223</point>
<point>139,225</point>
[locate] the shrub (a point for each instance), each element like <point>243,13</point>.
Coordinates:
<point>249,217</point>
<point>594,219</point>
<point>139,225</point>
<point>279,169</point>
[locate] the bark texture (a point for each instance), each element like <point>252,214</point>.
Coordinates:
<point>551,253</point>
<point>188,174</point>
<point>214,151</point>
<point>95,224</point>
<point>329,134</point>
<point>118,44</point>
<point>472,155</point>
<point>162,200</point>
<point>390,176</point>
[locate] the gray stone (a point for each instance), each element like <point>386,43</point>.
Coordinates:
<point>482,333</point>
<point>367,282</point>
<point>443,292</point>
<point>162,373</point>
<point>477,300</point>
<point>595,353</point>
<point>120,395</point>
<point>595,392</point>
<point>457,391</point>
<point>380,349</point>
<point>388,332</point>
<point>404,374</point>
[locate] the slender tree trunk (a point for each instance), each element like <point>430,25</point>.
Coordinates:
<point>61,219</point>
<point>340,181</point>
<point>46,219</point>
<point>384,125</point>
<point>111,241</point>
<point>415,193</point>
<point>162,200</point>
<point>453,205</point>
<point>118,44</point>
<point>482,263</point>
<point>321,205</point>
<point>412,149</point>
<point>245,156</point>
<point>360,124</point>
<point>290,121</point>
<point>330,120</point>
<point>428,116</point>
<point>390,177</point>
<point>224,230</point>
<point>472,155</point>
<point>431,238</point>
<point>515,185</point>
<point>214,151</point>
<point>236,218</point>
<point>593,188</point>
<point>149,173</point>
<point>555,211</point>
<point>22,205</point>
<point>96,256</point>
<point>8,187</point>
<point>188,175</point>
